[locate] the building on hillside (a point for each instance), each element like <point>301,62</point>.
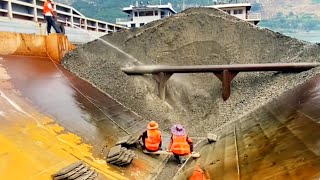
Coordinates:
<point>141,14</point>
<point>25,16</point>
<point>239,10</point>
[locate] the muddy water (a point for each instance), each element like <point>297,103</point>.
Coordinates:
<point>278,141</point>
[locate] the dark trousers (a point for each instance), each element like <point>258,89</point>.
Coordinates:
<point>51,23</point>
<point>180,159</point>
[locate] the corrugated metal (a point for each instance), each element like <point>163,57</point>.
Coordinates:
<point>277,141</point>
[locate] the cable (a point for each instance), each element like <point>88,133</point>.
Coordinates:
<point>88,98</point>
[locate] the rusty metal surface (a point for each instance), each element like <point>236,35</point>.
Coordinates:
<point>154,69</point>
<point>277,141</point>
<point>90,118</point>
<point>74,103</point>
<point>53,46</point>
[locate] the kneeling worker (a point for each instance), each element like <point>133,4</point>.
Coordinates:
<point>181,144</point>
<point>151,138</point>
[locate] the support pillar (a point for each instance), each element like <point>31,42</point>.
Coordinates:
<point>72,21</point>
<point>226,77</point>
<point>10,15</point>
<point>35,12</point>
<point>162,79</point>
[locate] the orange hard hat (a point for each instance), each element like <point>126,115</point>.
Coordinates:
<point>153,125</point>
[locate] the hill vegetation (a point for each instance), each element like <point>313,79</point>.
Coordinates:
<point>280,15</point>
<point>289,16</point>
<point>292,23</point>
<point>111,9</point>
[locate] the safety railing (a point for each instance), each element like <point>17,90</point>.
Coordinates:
<point>119,20</point>
<point>254,16</point>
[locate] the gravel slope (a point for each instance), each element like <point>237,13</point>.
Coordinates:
<point>193,37</point>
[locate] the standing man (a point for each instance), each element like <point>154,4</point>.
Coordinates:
<point>181,144</point>
<point>151,138</point>
<point>48,14</point>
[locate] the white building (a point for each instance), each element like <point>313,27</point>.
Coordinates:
<point>239,10</point>
<point>25,16</point>
<point>140,15</point>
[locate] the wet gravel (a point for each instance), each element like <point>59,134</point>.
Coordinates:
<point>196,36</point>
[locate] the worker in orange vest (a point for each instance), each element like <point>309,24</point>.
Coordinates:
<point>49,16</point>
<point>197,174</point>
<point>181,144</point>
<point>151,138</point>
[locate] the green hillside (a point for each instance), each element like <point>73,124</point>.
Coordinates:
<point>279,15</point>
<point>109,10</point>
<point>292,23</point>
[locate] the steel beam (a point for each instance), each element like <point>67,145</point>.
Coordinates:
<point>224,72</point>
<point>154,69</point>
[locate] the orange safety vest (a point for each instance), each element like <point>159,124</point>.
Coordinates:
<point>180,145</point>
<point>197,174</point>
<point>153,140</point>
<point>46,9</point>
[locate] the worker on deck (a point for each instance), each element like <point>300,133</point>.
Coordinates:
<point>151,138</point>
<point>180,144</point>
<point>49,16</point>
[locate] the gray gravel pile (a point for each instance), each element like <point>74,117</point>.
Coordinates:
<point>193,37</point>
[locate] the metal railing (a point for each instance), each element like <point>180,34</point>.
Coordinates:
<point>32,11</point>
<point>163,16</point>
<point>123,20</point>
<point>254,16</point>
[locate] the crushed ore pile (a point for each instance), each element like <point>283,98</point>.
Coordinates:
<point>197,36</point>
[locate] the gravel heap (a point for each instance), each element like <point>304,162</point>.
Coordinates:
<point>197,36</point>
